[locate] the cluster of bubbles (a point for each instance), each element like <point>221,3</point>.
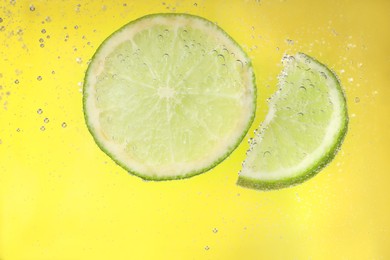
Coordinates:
<point>46,120</point>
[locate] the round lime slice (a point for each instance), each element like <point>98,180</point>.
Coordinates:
<point>303,129</point>
<point>169,96</point>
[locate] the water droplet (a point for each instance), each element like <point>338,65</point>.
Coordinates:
<point>43,128</point>
<point>323,75</point>
<point>240,63</point>
<point>43,31</point>
<point>300,114</point>
<point>266,153</point>
<point>39,111</point>
<point>32,8</point>
<point>302,88</point>
<point>357,99</point>
<point>39,78</point>
<point>64,125</point>
<point>46,120</point>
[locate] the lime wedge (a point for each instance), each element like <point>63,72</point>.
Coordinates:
<point>303,129</point>
<point>169,96</point>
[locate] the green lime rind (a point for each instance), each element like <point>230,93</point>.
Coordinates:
<point>317,166</point>
<point>147,177</point>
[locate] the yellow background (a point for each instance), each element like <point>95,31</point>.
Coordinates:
<point>62,198</point>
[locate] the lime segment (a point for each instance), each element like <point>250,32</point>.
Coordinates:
<point>303,129</point>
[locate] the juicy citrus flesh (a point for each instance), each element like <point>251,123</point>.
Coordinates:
<point>169,96</point>
<point>303,129</point>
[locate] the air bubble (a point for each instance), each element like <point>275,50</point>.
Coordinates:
<point>302,88</point>
<point>39,111</point>
<point>240,63</point>
<point>17,129</point>
<point>266,153</point>
<point>16,81</point>
<point>206,248</point>
<point>300,114</point>
<point>46,120</point>
<point>221,58</point>
<point>289,42</point>
<point>1,20</point>
<point>39,78</point>
<point>215,230</point>
<point>43,31</point>
<point>79,60</point>
<point>41,40</point>
<point>41,45</point>
<point>357,99</point>
<point>184,33</point>
<point>225,51</point>
<point>323,75</point>
<point>43,128</point>
<point>64,125</point>
<point>32,8</point>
